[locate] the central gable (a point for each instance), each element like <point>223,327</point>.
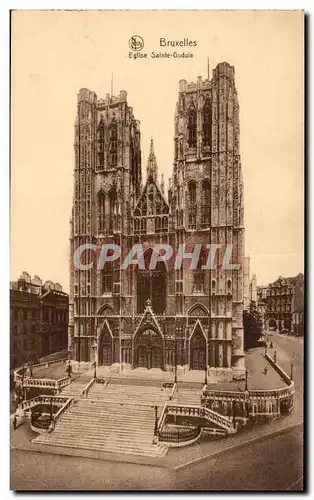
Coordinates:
<point>151,201</point>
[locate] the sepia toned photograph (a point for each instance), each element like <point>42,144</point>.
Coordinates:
<point>157,251</point>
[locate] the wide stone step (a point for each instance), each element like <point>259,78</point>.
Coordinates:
<point>108,428</point>
<point>95,442</point>
<point>129,450</point>
<point>82,422</point>
<point>104,438</point>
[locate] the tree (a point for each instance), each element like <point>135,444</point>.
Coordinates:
<point>253,326</point>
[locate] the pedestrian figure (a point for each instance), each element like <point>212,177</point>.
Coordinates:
<point>14,422</point>
<point>265,370</point>
<point>69,370</point>
<point>271,345</point>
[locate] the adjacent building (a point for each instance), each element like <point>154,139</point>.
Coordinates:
<point>282,304</point>
<point>38,319</point>
<point>191,318</point>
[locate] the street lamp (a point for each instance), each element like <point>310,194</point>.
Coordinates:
<point>175,361</point>
<point>234,412</point>
<point>291,371</point>
<point>23,373</point>
<point>156,420</point>
<point>51,409</point>
<point>275,356</point>
<point>94,347</point>
<point>70,350</point>
<point>246,376</point>
<point>206,354</point>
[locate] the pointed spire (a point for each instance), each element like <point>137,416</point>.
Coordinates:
<point>162,184</point>
<point>152,168</point>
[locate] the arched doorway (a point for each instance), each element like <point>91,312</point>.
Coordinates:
<point>272,324</point>
<point>152,285</point>
<point>148,349</point>
<point>105,349</point>
<point>197,350</point>
<point>287,324</point>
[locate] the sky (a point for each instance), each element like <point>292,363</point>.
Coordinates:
<point>54,54</point>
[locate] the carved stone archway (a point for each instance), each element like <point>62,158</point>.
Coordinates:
<point>148,349</point>
<point>105,346</point>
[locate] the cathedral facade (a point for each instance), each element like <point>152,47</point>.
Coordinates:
<point>161,317</point>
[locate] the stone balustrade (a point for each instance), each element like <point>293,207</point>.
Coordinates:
<point>69,402</point>
<point>88,387</point>
<point>18,373</point>
<point>201,412</point>
<point>43,399</point>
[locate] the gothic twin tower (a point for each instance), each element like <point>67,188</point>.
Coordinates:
<point>163,317</point>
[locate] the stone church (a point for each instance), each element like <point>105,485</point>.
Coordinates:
<point>164,317</point>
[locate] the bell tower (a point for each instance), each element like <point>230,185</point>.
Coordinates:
<point>206,198</point>
<point>107,183</point>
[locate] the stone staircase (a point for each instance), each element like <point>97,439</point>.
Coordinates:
<point>108,427</point>
<point>135,394</point>
<point>184,396</point>
<point>74,389</point>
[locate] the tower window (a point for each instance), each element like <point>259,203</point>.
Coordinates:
<point>107,278</point>
<point>207,123</point>
<point>192,205</point>
<point>192,127</point>
<point>112,209</point>
<point>113,147</point>
<point>101,211</point>
<point>100,140</point>
<point>205,202</point>
<point>199,273</point>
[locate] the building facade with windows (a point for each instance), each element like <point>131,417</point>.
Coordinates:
<point>38,319</point>
<point>284,301</point>
<point>161,317</point>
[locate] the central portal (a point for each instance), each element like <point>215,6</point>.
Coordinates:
<point>148,349</point>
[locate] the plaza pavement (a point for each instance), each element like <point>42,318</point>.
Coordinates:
<point>255,363</point>
<point>20,439</point>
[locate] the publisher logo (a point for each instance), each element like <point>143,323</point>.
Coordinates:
<point>136,43</point>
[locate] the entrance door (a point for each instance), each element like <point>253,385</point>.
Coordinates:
<point>148,350</point>
<point>105,350</point>
<point>198,352</point>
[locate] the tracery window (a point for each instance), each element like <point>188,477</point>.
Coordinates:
<point>100,143</point>
<point>107,278</point>
<point>113,145</point>
<point>207,123</point>
<point>199,273</point>
<point>112,208</point>
<point>192,205</point>
<point>192,127</point>
<point>101,211</point>
<point>205,202</point>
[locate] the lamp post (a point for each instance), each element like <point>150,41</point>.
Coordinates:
<point>291,371</point>
<point>275,356</point>
<point>156,420</point>
<point>51,409</point>
<point>94,347</point>
<point>70,350</point>
<point>23,373</point>
<point>246,377</point>
<point>206,356</point>
<point>175,362</point>
<point>233,412</point>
